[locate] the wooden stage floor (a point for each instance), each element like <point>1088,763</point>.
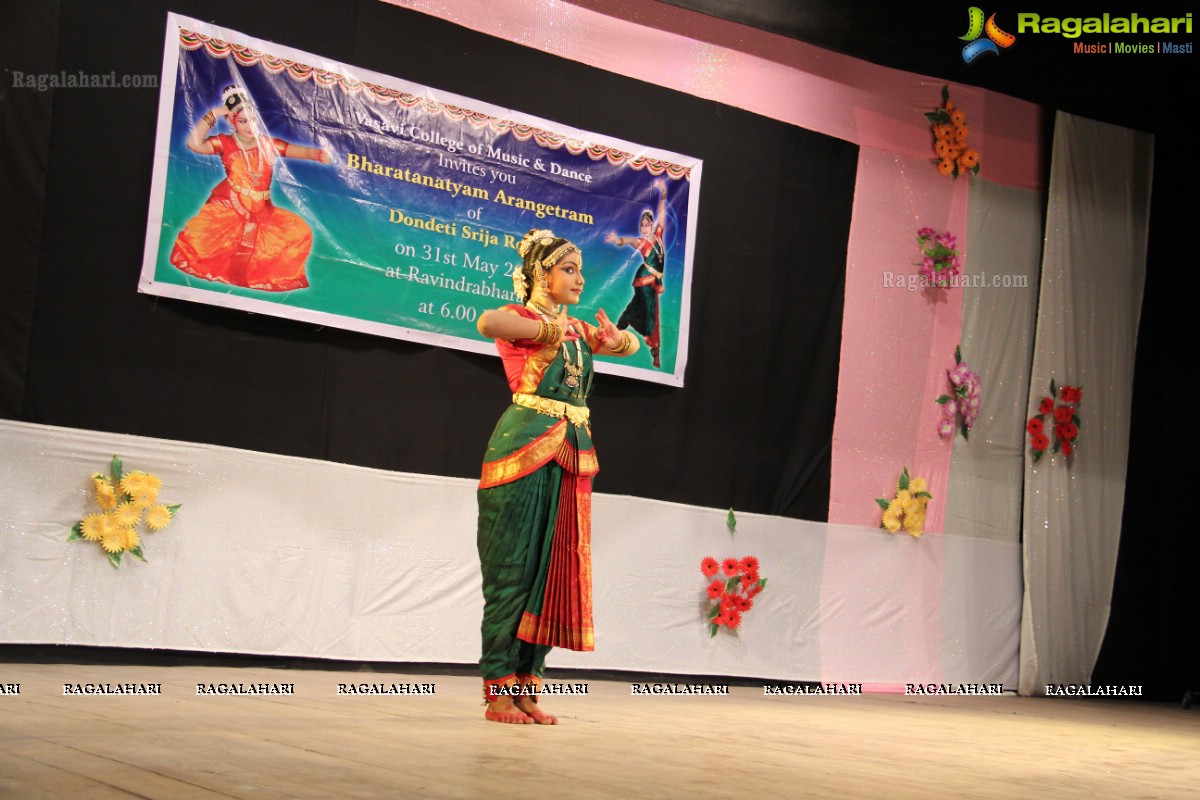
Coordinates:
<point>317,743</point>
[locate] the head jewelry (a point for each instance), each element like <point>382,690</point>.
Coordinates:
<point>233,98</point>
<point>539,250</point>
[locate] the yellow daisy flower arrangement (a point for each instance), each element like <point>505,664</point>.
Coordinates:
<point>906,509</point>
<point>126,500</point>
<point>949,128</point>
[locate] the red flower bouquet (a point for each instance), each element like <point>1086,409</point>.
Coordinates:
<point>1065,420</point>
<point>731,598</point>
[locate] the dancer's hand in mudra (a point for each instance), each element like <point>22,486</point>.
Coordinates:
<point>609,335</point>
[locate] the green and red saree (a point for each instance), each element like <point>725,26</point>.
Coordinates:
<point>535,504</point>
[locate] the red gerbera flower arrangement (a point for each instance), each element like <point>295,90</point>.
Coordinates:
<point>1063,416</point>
<point>729,599</point>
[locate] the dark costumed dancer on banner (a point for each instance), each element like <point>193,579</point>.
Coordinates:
<point>642,313</point>
<point>240,237</point>
<point>535,497</point>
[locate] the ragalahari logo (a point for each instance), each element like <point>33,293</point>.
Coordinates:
<point>976,28</point>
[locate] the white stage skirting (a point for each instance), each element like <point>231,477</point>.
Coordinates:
<point>288,556</point>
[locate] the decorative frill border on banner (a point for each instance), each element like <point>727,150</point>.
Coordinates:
<point>248,57</point>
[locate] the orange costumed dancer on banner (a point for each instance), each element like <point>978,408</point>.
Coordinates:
<point>240,237</point>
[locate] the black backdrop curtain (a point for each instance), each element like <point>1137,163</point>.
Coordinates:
<point>27,45</point>
<point>751,429</point>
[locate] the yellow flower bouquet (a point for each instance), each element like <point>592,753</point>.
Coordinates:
<point>907,508</point>
<point>126,500</point>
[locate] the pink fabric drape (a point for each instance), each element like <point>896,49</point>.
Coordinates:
<point>761,72</point>
<point>897,343</point>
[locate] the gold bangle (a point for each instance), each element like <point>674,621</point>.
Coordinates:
<point>210,118</point>
<point>626,343</point>
<point>548,333</point>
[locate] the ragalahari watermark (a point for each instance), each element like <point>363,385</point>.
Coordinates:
<point>43,81</point>
<point>913,281</point>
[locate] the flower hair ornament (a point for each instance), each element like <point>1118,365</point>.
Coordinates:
<point>539,250</point>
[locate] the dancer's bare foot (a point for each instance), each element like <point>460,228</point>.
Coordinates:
<point>502,709</point>
<point>530,707</point>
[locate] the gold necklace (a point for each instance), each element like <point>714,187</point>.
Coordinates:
<point>255,174</point>
<point>574,371</point>
<point>545,312</point>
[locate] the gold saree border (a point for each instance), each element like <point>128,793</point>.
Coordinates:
<point>526,460</point>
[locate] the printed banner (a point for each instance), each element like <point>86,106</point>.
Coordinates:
<point>290,185</point>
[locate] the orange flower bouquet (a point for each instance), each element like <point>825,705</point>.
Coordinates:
<point>949,127</point>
